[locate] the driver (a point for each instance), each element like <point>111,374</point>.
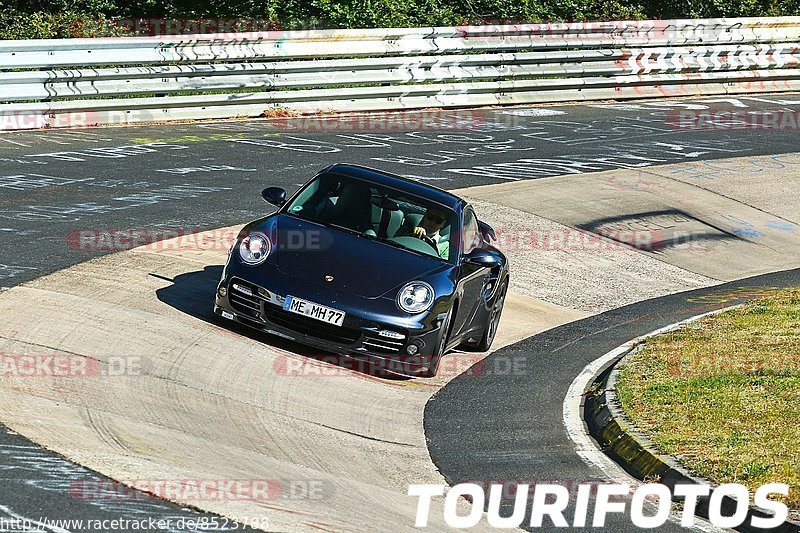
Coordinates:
<point>433,221</point>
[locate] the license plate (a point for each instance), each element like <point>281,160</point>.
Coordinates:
<point>312,310</point>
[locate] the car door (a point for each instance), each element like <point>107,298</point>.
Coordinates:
<point>471,278</point>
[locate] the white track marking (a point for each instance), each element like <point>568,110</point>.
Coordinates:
<point>49,138</point>
<point>423,178</point>
<point>735,102</point>
<point>534,112</point>
<point>82,136</point>
<point>14,142</point>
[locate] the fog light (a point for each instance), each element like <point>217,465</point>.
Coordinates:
<point>223,291</point>
<point>412,349</point>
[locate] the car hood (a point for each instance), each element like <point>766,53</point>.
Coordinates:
<point>358,265</point>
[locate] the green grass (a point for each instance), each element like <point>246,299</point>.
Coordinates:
<point>723,394</point>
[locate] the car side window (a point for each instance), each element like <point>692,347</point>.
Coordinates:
<point>471,233</point>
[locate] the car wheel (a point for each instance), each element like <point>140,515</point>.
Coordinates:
<point>433,365</point>
<point>493,319</point>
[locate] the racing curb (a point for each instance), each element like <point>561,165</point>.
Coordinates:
<point>625,444</point>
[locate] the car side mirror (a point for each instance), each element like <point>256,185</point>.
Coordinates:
<point>274,195</point>
<point>487,232</point>
<point>483,258</point>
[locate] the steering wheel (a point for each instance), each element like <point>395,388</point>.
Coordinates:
<point>430,241</point>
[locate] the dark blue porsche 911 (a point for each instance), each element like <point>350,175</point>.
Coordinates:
<point>363,262</point>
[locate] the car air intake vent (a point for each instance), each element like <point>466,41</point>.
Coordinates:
<point>243,299</point>
<point>374,343</point>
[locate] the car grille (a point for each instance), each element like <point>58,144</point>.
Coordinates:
<point>378,344</point>
<point>247,304</point>
<point>311,327</point>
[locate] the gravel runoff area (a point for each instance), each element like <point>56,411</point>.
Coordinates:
<point>576,269</point>
<point>722,395</point>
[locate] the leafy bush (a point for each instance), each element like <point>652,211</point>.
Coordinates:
<point>62,18</point>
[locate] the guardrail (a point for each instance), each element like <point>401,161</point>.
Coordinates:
<point>74,82</point>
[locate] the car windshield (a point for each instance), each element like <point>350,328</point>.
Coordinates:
<point>380,213</point>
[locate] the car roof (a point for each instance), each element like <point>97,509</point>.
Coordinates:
<point>410,186</point>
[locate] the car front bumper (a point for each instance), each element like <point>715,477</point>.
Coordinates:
<point>396,344</point>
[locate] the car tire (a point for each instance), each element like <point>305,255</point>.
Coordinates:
<point>433,366</point>
<point>493,319</point>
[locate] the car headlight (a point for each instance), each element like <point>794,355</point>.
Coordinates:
<point>415,297</point>
<point>254,248</point>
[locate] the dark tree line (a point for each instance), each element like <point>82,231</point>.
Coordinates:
<point>73,18</point>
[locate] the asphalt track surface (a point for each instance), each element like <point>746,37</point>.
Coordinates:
<point>200,176</point>
<point>195,176</point>
<point>497,426</point>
